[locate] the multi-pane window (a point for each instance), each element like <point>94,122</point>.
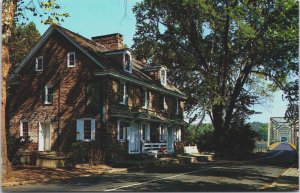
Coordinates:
<point>163,76</point>
<point>87,129</point>
<point>177,106</point>
<point>122,128</point>
<point>161,102</point>
<point>25,131</point>
<point>71,59</point>
<point>39,62</point>
<point>49,91</point>
<point>122,93</point>
<point>163,133</point>
<point>127,62</point>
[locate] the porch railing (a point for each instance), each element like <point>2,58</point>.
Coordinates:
<point>153,146</point>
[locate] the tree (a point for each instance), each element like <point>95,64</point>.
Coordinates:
<point>225,52</point>
<point>17,11</point>
<point>24,38</point>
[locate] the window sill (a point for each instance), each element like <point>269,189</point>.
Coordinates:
<point>70,66</point>
<point>122,103</point>
<point>121,140</point>
<point>48,103</point>
<point>86,140</point>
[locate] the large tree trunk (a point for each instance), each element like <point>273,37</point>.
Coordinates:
<point>8,11</point>
<point>5,69</point>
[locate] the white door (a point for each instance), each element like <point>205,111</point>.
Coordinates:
<point>134,139</point>
<point>170,140</point>
<point>44,137</point>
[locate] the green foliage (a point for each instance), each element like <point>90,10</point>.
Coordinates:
<point>47,10</point>
<point>85,152</point>
<point>24,38</point>
<point>240,138</point>
<point>14,144</point>
<point>261,129</point>
<point>223,54</point>
<point>202,136</point>
<point>292,95</point>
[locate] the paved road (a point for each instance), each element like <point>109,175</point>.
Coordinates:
<point>250,175</point>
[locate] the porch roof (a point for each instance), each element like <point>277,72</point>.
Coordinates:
<point>141,116</point>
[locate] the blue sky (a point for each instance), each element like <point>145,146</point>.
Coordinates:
<point>100,17</point>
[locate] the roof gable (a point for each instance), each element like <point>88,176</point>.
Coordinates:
<point>43,39</point>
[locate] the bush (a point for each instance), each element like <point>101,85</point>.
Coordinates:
<point>86,152</point>
<point>202,136</point>
<point>14,144</point>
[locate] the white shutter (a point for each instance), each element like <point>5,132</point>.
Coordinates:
<point>179,134</point>
<point>148,132</point>
<point>21,128</point>
<point>93,129</point>
<point>79,129</point>
<point>128,132</point>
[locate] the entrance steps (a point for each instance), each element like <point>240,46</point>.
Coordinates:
<point>50,159</point>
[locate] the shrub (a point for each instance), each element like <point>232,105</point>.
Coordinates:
<point>14,144</point>
<point>86,152</point>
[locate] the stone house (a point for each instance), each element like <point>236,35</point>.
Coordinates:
<point>70,88</point>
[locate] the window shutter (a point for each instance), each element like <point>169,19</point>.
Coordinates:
<point>68,59</point>
<point>21,128</point>
<point>179,134</point>
<point>120,99</point>
<point>165,133</point>
<point>126,93</point>
<point>148,132</point>
<point>127,131</point>
<point>93,129</point>
<point>79,129</point>
<point>43,96</point>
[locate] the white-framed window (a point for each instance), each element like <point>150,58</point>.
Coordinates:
<point>49,93</point>
<point>123,126</point>
<point>24,129</point>
<point>123,97</point>
<point>177,106</point>
<point>145,132</point>
<point>144,101</point>
<point>71,59</point>
<point>39,63</point>
<point>177,134</point>
<point>127,62</point>
<point>163,76</point>
<point>85,129</point>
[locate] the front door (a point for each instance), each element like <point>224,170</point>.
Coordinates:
<point>170,140</point>
<point>134,139</point>
<point>44,136</point>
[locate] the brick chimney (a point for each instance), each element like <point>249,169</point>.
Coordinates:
<point>110,41</point>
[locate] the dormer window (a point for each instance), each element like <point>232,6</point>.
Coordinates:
<point>39,62</point>
<point>127,62</point>
<point>163,76</point>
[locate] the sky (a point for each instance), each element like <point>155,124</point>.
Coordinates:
<point>100,17</point>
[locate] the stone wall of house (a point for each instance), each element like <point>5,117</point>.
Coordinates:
<point>117,150</point>
<point>25,99</point>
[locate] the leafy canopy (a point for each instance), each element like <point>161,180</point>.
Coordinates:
<point>220,52</point>
<point>24,38</point>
